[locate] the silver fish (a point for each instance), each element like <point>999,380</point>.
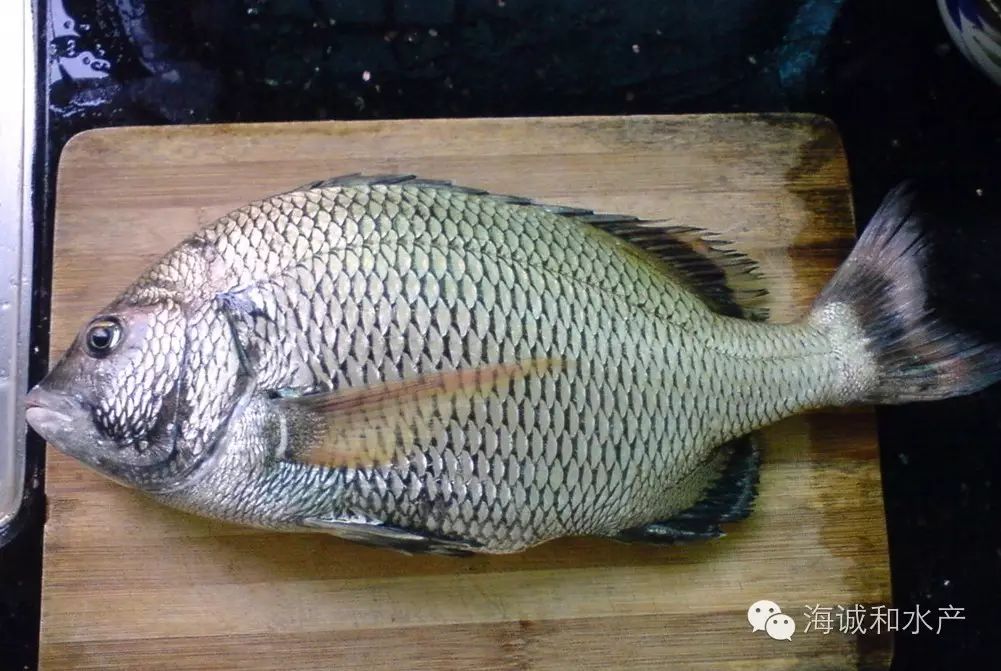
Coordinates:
<point>438,369</point>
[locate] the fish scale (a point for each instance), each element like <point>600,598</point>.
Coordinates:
<point>350,286</point>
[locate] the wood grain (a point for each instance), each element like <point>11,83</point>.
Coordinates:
<point>132,585</point>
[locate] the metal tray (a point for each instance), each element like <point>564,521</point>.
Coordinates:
<point>17,123</point>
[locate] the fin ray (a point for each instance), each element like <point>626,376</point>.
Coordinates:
<point>906,350</point>
<point>380,534</point>
<point>728,498</point>
<point>369,425</point>
<point>726,279</point>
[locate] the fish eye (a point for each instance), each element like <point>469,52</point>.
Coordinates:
<point>103,337</point>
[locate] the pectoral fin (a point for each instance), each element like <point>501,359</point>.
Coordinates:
<point>378,534</point>
<point>374,425</point>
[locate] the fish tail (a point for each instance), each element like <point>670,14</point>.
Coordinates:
<point>884,316</point>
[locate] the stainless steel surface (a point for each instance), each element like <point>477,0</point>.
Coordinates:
<point>17,123</point>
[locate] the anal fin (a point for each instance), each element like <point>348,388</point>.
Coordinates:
<point>729,498</point>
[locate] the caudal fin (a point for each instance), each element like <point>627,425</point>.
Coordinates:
<point>897,346</point>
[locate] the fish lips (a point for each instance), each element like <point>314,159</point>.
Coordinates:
<point>57,418</point>
<point>65,422</point>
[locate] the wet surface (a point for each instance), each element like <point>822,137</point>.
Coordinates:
<point>906,103</point>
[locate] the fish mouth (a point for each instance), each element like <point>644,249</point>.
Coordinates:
<point>50,414</point>
<point>64,422</point>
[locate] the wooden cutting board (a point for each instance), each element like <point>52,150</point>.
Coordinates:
<point>132,585</point>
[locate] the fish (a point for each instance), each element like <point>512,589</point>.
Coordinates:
<point>433,368</point>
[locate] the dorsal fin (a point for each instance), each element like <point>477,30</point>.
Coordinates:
<point>358,179</point>
<point>726,279</point>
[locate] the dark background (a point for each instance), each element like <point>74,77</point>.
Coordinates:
<point>904,99</point>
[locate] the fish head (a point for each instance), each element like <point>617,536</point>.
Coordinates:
<point>120,399</point>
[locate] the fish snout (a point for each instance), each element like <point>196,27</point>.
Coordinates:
<point>50,413</point>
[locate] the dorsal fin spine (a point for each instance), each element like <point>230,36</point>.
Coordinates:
<point>727,280</point>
